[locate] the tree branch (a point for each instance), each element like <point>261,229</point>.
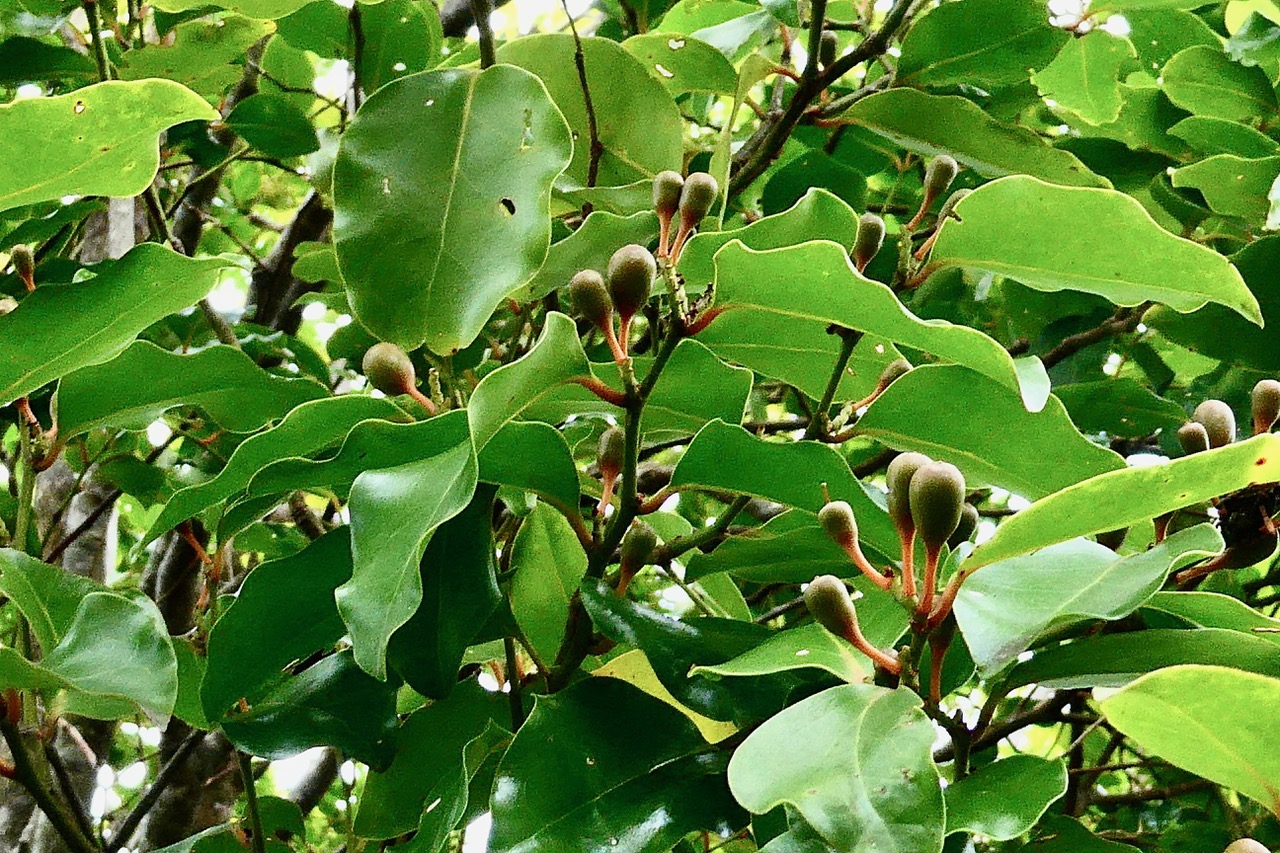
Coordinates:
<point>26,775</point>
<point>164,778</point>
<point>1124,320</point>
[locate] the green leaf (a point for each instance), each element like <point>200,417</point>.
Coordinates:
<point>401,37</point>
<point>817,282</point>
<point>1204,81</point>
<point>1113,660</point>
<point>311,427</point>
<point>568,782</point>
<point>1006,606</point>
<point>145,381</point>
<point>727,458</point>
<point>1119,407</point>
<point>503,395</point>
<point>1060,834</point>
<point>534,457</point>
<point>1219,136</point>
<point>954,414</point>
<point>264,9</point>
<point>47,596</point>
<point>683,64</point>
<point>985,43</point>
<point>284,612</point>
<point>394,511</point>
<point>547,562</point>
<point>1215,610</point>
<point>673,647</point>
<point>1004,799</point>
<point>1122,498</point>
<point>1205,719</point>
<point>431,762</point>
<point>1233,186</point>
<point>274,125</point>
<point>638,124</point>
<point>205,56</point>
<point>807,647</point>
<point>459,595</point>
<point>331,703</point>
<point>23,59</point>
<point>589,248</point>
<point>109,131</point>
<point>1050,252</point>
<point>1084,78</point>
<point>947,124</point>
<point>1257,42</point>
<point>827,757</point>
<point>96,317</point>
<point>447,174</point>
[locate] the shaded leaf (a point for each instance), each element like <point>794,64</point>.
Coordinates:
<point>1004,799</point>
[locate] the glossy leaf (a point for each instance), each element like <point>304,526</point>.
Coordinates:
<point>937,124</point>
<point>567,781</point>
<point>1058,256</point>
<point>459,595</point>
<point>634,668</point>
<point>1121,498</point>
<point>816,281</point>
<point>394,511</point>
<point>284,612</point>
<point>625,98</point>
<point>534,457</point>
<point>1204,81</point>
<point>984,43</point>
<point>683,64</point>
<point>201,55</point>
<point>273,125</point>
<point>1233,186</point>
<point>1004,799</point>
<point>1113,660</point>
<point>143,382</point>
<point>728,458</point>
<point>1004,607</point>
<point>890,803</point>
<point>951,413</point>
<point>331,703</point>
<point>1205,719</point>
<point>47,596</point>
<point>306,429</point>
<point>108,130</point>
<point>1215,610</point>
<point>1218,136</point>
<point>441,191</point>
<point>1084,78</point>
<point>548,562</point>
<point>811,646</point>
<point>97,317</point>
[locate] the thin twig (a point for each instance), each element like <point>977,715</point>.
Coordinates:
<point>74,802</point>
<point>164,778</point>
<point>1124,320</point>
<point>100,57</point>
<point>480,10</point>
<point>251,802</point>
<point>26,775</point>
<point>596,150</point>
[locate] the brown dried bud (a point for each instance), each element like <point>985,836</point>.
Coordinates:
<point>1193,438</point>
<point>389,369</point>
<point>899,474</point>
<point>24,264</point>
<point>1266,405</point>
<point>829,603</point>
<point>839,524</point>
<point>1218,420</point>
<point>868,241</point>
<point>828,48</point>
<point>631,273</point>
<point>937,495</point>
<point>590,298</point>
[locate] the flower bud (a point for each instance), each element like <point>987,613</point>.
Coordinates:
<point>949,206</point>
<point>1193,438</point>
<point>936,496</point>
<point>1218,420</point>
<point>590,298</point>
<point>893,371</point>
<point>839,524</point>
<point>968,523</point>
<point>696,198</point>
<point>24,264</point>
<point>638,545</point>
<point>666,194</point>
<point>613,447</point>
<point>828,48</point>
<point>631,273</point>
<point>939,174</point>
<point>1266,405</point>
<point>389,369</point>
<point>829,603</point>
<point>899,474</point>
<point>868,241</point>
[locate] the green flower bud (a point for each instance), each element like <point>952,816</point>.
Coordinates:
<point>696,198</point>
<point>939,174</point>
<point>389,369</point>
<point>968,523</point>
<point>631,273</point>
<point>949,206</point>
<point>1266,405</point>
<point>666,193</point>
<point>899,474</point>
<point>1193,438</point>
<point>613,447</point>
<point>590,298</point>
<point>868,241</point>
<point>1219,422</point>
<point>1246,845</point>
<point>828,48</point>
<point>936,495</point>
<point>828,601</point>
<point>893,371</point>
<point>637,546</point>
<point>839,524</point>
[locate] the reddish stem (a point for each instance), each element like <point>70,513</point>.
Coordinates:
<point>943,610</point>
<point>908,540</point>
<point>601,390</point>
<point>854,550</point>
<point>423,400</point>
<point>879,657</point>
<point>931,555</point>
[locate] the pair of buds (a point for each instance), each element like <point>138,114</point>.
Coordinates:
<point>389,369</point>
<point>1213,424</point>
<point>690,199</point>
<point>631,273</point>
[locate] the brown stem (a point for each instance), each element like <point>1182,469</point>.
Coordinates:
<point>29,777</point>
<point>601,390</point>
<point>908,540</point>
<point>931,555</point>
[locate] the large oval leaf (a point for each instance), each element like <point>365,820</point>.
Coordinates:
<point>441,191</point>
<point>1031,231</point>
<point>100,140</point>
